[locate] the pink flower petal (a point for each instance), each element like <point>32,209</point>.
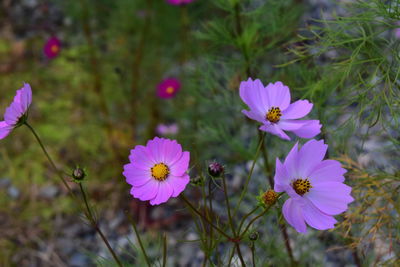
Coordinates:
<point>13,113</point>
<point>290,125</point>
<point>155,147</point>
<point>172,151</point>
<point>278,95</point>
<point>179,183</point>
<point>250,92</point>
<point>330,197</point>
<point>276,130</point>
<point>327,171</point>
<point>310,155</point>
<point>141,158</point>
<point>310,129</point>
<point>292,162</point>
<point>316,218</point>
<point>136,177</point>
<point>165,191</point>
<point>5,129</point>
<point>292,211</point>
<point>254,116</point>
<point>147,191</point>
<point>282,178</point>
<point>181,166</point>
<point>297,110</point>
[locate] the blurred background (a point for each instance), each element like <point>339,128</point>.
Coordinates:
<point>96,68</point>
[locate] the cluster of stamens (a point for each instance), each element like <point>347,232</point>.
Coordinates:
<point>274,114</point>
<point>301,186</point>
<point>160,171</point>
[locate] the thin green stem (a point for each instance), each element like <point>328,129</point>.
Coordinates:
<point>267,166</point>
<point>253,250</point>
<point>164,250</point>
<point>240,254</point>
<point>228,205</point>
<point>246,216</point>
<point>231,255</point>
<point>249,175</point>
<point>53,165</point>
<point>95,225</point>
<point>190,205</point>
<point>139,239</point>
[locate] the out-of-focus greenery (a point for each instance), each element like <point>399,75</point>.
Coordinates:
<point>97,100</point>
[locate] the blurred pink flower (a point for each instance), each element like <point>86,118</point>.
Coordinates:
<point>397,30</point>
<point>167,129</point>
<point>157,171</point>
<point>168,88</point>
<point>16,113</point>
<point>315,187</point>
<point>52,47</point>
<point>271,106</point>
<point>179,2</point>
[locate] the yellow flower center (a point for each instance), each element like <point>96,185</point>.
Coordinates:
<point>54,48</point>
<point>274,114</point>
<point>170,90</point>
<point>160,171</point>
<point>301,186</point>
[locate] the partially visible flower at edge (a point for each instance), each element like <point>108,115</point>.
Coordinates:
<point>271,106</point>
<point>397,30</point>
<point>17,112</point>
<point>52,47</point>
<point>315,187</point>
<point>157,171</point>
<point>179,2</point>
<point>168,88</point>
<point>167,129</point>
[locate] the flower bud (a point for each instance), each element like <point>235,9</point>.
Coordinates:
<point>253,236</point>
<point>269,197</point>
<point>215,169</point>
<point>78,174</point>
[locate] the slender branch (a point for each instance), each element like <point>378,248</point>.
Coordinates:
<point>95,225</point>
<point>246,216</point>
<point>249,175</point>
<point>240,254</point>
<point>164,250</point>
<point>228,206</point>
<point>253,250</point>
<point>139,239</point>
<point>267,166</point>
<point>206,219</point>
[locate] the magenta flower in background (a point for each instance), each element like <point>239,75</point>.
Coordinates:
<point>16,113</point>
<point>315,187</point>
<point>52,47</point>
<point>179,2</point>
<point>167,129</point>
<point>271,106</point>
<point>397,31</point>
<point>168,88</point>
<point>157,171</point>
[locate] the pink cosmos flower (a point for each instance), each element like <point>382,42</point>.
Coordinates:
<point>167,129</point>
<point>397,31</point>
<point>271,106</point>
<point>52,47</point>
<point>179,2</point>
<point>16,113</point>
<point>168,88</point>
<point>315,187</point>
<point>157,171</point>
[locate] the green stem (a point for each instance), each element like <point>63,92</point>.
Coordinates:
<point>206,219</point>
<point>228,205</point>
<point>267,166</point>
<point>139,239</point>
<point>53,165</point>
<point>250,174</point>
<point>165,250</point>
<point>253,250</point>
<point>240,254</point>
<point>246,216</point>
<point>95,225</point>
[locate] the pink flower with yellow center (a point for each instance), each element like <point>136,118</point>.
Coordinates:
<point>157,171</point>
<point>179,2</point>
<point>17,112</point>
<point>168,88</point>
<point>271,106</point>
<point>315,187</point>
<point>52,47</point>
